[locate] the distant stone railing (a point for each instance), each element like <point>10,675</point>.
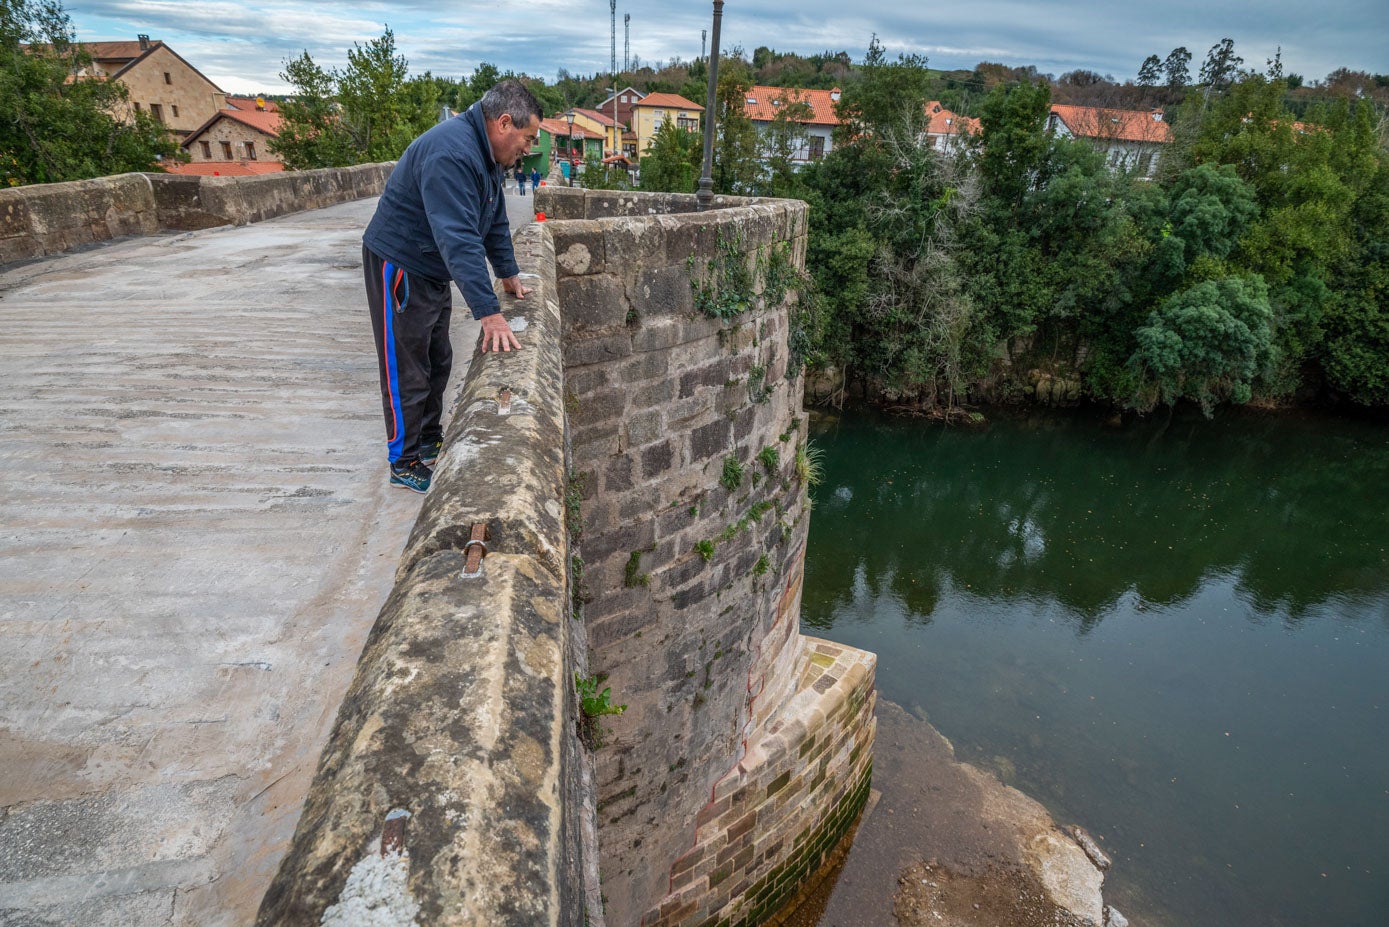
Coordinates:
<point>45,219</point>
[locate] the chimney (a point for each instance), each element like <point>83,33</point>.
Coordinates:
<point>260,103</point>
<point>144,42</point>
<point>834,94</point>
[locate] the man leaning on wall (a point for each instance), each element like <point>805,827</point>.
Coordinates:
<point>442,217</point>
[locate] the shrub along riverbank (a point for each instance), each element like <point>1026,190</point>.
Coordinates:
<point>1255,266</point>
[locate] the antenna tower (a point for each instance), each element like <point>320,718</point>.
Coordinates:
<point>626,41</point>
<point>612,8</point>
<point>703,38</point>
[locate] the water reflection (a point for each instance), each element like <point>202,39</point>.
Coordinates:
<point>1054,508</point>
<point>1176,633</point>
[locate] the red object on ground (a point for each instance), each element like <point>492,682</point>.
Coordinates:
<point>540,217</point>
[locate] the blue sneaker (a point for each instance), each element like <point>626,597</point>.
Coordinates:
<point>429,451</point>
<point>412,475</point>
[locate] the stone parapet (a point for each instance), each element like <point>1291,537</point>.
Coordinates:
<point>449,790</point>
<point>50,218</point>
<point>187,203</point>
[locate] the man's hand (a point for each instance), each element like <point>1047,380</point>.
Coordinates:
<point>497,335</point>
<point>515,287</point>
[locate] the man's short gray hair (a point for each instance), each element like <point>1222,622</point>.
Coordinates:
<point>513,98</point>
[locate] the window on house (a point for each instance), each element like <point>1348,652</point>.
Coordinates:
<point>157,111</point>
<point>207,150</point>
<point>817,147</point>
<point>167,78</point>
<point>174,109</point>
<point>137,107</point>
<point>226,151</point>
<point>250,151</point>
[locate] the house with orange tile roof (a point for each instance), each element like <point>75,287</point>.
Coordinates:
<point>235,135</point>
<point>158,80</point>
<point>559,142</point>
<point>946,131</point>
<point>603,125</point>
<point>763,103</point>
<point>655,110</point>
<point>1132,140</point>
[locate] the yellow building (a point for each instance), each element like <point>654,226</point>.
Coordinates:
<point>159,82</point>
<point>655,109</point>
<point>600,124</point>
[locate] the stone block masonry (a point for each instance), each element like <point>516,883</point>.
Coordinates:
<point>685,430</point>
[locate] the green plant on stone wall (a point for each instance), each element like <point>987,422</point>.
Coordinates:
<point>593,705</point>
<point>732,476</point>
<point>761,566</point>
<point>725,292</point>
<point>770,458</point>
<point>810,464</point>
<point>634,576</point>
<point>705,549</point>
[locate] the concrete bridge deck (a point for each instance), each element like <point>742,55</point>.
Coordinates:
<point>196,535</point>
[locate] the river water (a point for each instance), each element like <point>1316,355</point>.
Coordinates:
<point>1174,632</point>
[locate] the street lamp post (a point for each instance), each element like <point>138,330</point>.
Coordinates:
<point>705,197</point>
<point>569,117</point>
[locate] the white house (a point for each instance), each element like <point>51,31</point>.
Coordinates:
<point>1132,140</point>
<point>762,104</point>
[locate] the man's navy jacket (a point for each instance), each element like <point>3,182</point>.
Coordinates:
<point>443,211</point>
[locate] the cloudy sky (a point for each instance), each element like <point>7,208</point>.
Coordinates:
<point>242,44</point>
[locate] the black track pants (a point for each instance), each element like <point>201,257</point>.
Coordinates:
<point>410,318</point>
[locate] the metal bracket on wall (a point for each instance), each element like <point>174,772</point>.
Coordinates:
<point>475,549</point>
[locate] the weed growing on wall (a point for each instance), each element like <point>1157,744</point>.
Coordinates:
<point>593,705</point>
<point>634,576</point>
<point>725,292</point>
<point>770,458</point>
<point>732,476</point>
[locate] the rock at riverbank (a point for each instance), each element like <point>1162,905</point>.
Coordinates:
<point>951,846</point>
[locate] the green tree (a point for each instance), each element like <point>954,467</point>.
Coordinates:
<point>55,127</point>
<point>784,137</point>
<point>737,164</point>
<point>1207,343</point>
<point>379,112</point>
<point>1150,71</point>
<point>673,162</point>
<point>1012,143</point>
<point>885,94</point>
<point>1175,67</point>
<point>312,133</point>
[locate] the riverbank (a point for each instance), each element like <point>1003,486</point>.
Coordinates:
<point>949,845</point>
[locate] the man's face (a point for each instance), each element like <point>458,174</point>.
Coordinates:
<point>511,142</point>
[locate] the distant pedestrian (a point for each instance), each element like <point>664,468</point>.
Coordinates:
<point>521,180</point>
<point>535,179</point>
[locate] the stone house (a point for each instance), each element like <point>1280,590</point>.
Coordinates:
<point>159,82</point>
<point>762,103</point>
<point>655,110</point>
<point>1132,140</point>
<point>239,132</point>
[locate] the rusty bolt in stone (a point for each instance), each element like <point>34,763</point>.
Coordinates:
<point>475,549</point>
<point>393,832</point>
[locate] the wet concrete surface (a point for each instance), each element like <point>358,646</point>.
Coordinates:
<point>196,534</point>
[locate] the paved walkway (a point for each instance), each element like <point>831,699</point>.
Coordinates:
<point>196,534</point>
